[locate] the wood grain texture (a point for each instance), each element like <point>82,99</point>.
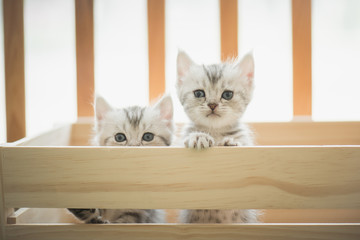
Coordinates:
<point>156,45</point>
<point>42,215</point>
<point>188,231</point>
<point>307,133</point>
<point>2,199</point>
<point>229,28</point>
<point>276,133</point>
<point>301,35</point>
<point>311,216</point>
<point>14,69</point>
<point>85,56</point>
<point>178,178</point>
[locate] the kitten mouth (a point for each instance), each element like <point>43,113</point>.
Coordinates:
<point>212,114</point>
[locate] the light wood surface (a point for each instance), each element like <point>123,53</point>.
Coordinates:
<point>14,69</point>
<point>156,38</point>
<point>301,35</point>
<point>276,133</point>
<point>311,216</point>
<point>307,133</point>
<point>59,136</point>
<point>189,231</point>
<point>160,177</point>
<point>229,28</point>
<point>42,215</point>
<point>84,56</point>
<point>2,200</point>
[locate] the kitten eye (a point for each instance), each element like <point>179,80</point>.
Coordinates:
<point>148,137</point>
<point>120,137</point>
<point>227,95</point>
<point>199,93</point>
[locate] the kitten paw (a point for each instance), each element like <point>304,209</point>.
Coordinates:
<point>98,220</point>
<point>199,140</point>
<point>229,142</point>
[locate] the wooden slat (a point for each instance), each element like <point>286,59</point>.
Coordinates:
<point>14,69</point>
<point>229,28</point>
<point>84,56</point>
<point>160,177</point>
<point>42,215</point>
<point>307,133</point>
<point>311,216</point>
<point>301,35</point>
<point>286,133</point>
<point>59,136</point>
<point>188,231</point>
<point>156,37</point>
<point>2,200</point>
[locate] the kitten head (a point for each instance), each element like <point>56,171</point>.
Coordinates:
<point>215,96</point>
<point>134,126</point>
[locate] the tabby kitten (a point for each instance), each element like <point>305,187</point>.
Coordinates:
<point>132,126</point>
<point>215,97</point>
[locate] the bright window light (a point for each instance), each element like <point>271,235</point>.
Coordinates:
<point>265,29</point>
<point>335,60</point>
<point>50,65</point>
<point>121,52</point>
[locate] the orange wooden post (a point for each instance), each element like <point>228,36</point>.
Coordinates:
<point>301,32</point>
<point>85,56</point>
<point>156,35</point>
<point>229,28</point>
<point>13,11</point>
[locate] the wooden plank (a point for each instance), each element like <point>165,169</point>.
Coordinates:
<point>185,231</point>
<point>85,56</point>
<point>301,35</point>
<point>82,134</point>
<point>311,216</point>
<point>42,215</point>
<point>59,136</point>
<point>2,198</point>
<point>229,28</point>
<point>307,133</point>
<point>4,212</point>
<point>156,38</point>
<point>271,133</point>
<point>178,178</point>
<point>14,69</point>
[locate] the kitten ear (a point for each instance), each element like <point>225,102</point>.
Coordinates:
<point>246,68</point>
<point>165,107</point>
<point>101,107</point>
<point>184,63</point>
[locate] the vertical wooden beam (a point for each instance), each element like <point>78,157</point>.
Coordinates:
<point>13,11</point>
<point>301,33</point>
<point>229,28</point>
<point>156,45</point>
<point>85,56</point>
<point>2,199</point>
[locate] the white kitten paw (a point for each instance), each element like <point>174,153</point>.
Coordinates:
<point>228,141</point>
<point>199,140</point>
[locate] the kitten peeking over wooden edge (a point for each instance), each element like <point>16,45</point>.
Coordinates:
<point>131,126</point>
<point>215,97</point>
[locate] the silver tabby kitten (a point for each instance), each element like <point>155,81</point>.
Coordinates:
<point>215,97</point>
<point>132,126</point>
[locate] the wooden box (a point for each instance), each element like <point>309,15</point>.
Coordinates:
<point>304,175</point>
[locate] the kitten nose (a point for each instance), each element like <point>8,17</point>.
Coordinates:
<point>212,106</point>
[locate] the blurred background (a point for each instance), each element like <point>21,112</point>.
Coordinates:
<point>121,56</point>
